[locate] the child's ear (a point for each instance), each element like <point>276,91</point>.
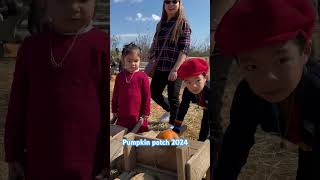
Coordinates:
<point>307,51</point>
<point>206,76</point>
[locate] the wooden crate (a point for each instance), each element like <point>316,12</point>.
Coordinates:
<point>116,147</point>
<point>117,132</point>
<point>189,162</point>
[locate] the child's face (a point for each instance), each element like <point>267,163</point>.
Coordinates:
<point>195,84</point>
<point>274,72</point>
<point>70,15</point>
<point>132,61</point>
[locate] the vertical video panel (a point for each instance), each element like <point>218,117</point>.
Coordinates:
<point>265,64</point>
<point>54,89</point>
<point>160,89</point>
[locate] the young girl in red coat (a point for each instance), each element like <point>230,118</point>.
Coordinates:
<point>131,93</point>
<point>54,111</point>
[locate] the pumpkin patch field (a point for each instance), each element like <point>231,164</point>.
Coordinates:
<point>266,161</point>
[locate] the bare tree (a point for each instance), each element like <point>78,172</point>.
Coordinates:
<point>200,48</point>
<point>115,54</point>
<point>144,42</point>
<point>115,40</point>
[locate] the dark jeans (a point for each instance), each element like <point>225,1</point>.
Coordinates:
<point>170,104</point>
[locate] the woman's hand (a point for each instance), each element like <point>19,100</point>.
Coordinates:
<point>173,75</point>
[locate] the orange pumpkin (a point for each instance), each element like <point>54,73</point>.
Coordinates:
<point>168,134</point>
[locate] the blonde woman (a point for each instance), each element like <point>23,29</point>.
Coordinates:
<point>170,47</point>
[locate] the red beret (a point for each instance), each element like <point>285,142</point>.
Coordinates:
<point>252,24</point>
<point>193,67</point>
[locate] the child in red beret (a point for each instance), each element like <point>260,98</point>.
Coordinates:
<point>194,74</point>
<point>271,39</point>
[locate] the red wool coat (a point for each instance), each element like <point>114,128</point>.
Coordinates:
<point>55,113</point>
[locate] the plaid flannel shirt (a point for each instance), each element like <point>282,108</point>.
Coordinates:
<point>171,51</point>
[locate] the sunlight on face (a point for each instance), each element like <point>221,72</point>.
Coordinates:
<point>273,72</point>
<point>195,84</point>
<point>171,8</point>
<point>132,61</point>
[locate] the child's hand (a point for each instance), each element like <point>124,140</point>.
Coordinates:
<point>15,171</point>
<point>173,75</point>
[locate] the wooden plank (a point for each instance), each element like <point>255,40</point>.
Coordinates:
<point>156,173</point>
<point>115,129</point>
<point>118,163</point>
<point>169,158</point>
<point>193,147</point>
<point>183,129</point>
<point>199,163</point>
<point>151,134</point>
<point>119,136</point>
<point>129,154</point>
<point>116,149</point>
<point>181,157</point>
<point>116,146</point>
<point>126,175</point>
<point>117,132</point>
<point>157,170</point>
<point>162,157</point>
<point>143,176</point>
<point>195,144</point>
<point>208,174</point>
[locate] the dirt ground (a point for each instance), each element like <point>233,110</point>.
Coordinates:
<point>266,160</point>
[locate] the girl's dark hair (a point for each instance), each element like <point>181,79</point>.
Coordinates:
<point>129,48</point>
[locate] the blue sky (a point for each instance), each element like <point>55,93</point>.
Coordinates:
<point>129,18</point>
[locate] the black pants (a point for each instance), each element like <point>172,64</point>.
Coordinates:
<point>170,104</point>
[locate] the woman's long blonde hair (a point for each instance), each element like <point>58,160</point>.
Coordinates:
<point>177,30</point>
